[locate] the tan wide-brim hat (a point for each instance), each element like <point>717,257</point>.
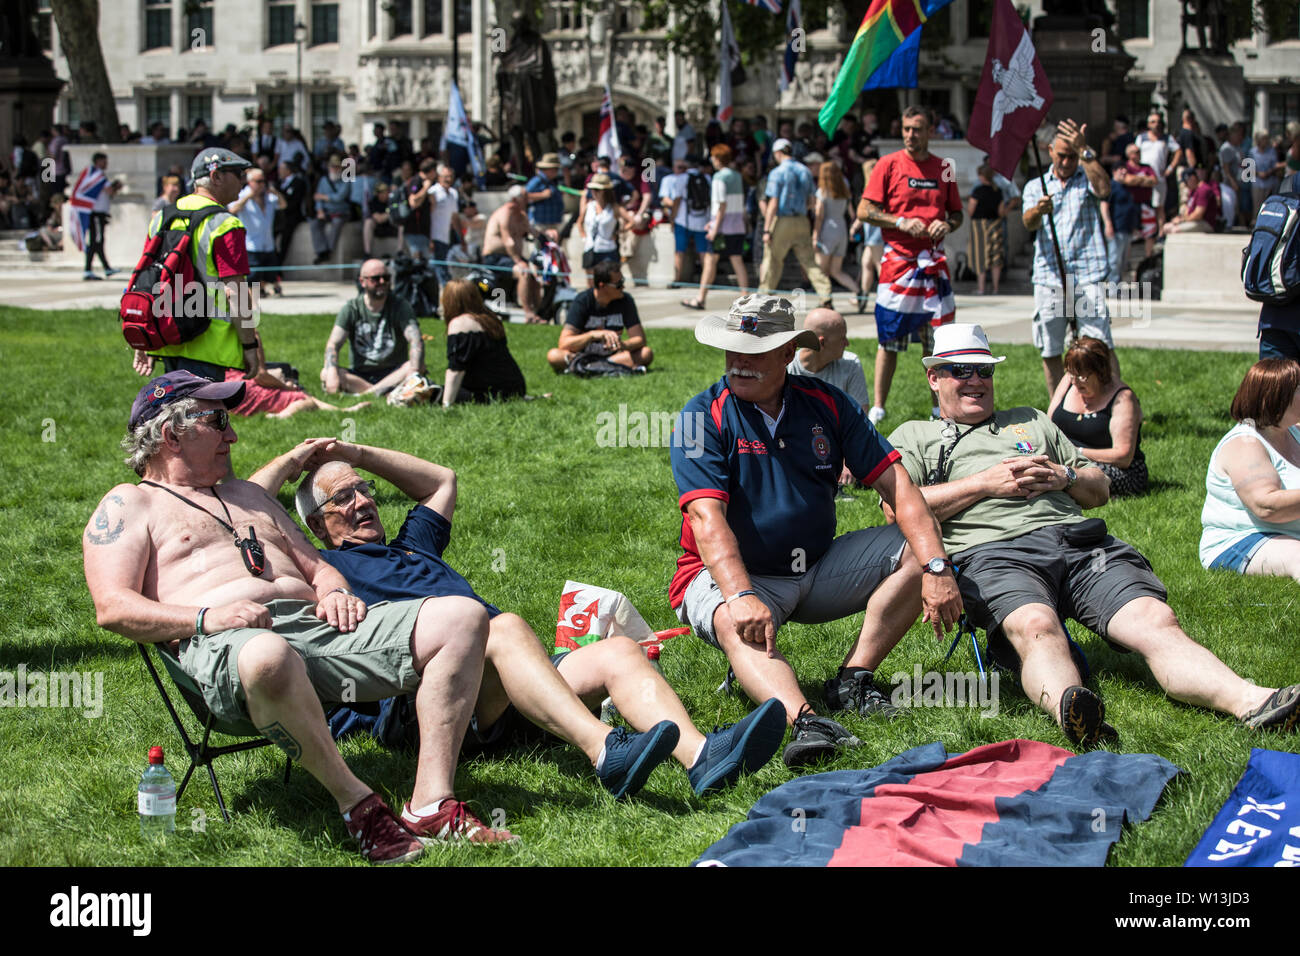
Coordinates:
<point>549,161</point>
<point>601,181</point>
<point>961,343</point>
<point>756,324</point>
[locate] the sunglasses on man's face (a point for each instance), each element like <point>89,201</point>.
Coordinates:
<point>382,277</point>
<point>217,418</point>
<point>964,372</point>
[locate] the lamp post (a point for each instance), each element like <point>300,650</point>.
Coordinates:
<point>299,38</point>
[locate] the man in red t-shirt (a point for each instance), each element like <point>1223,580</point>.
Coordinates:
<point>912,196</point>
<point>1202,213</point>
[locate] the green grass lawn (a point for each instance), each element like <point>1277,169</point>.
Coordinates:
<point>540,502</point>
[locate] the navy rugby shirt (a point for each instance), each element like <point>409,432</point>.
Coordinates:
<point>779,489</point>
<point>409,566</point>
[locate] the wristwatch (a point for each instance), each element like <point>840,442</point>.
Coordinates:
<point>936,565</point>
<point>1070,477</point>
<point>1088,155</point>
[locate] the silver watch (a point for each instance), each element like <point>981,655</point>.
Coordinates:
<point>1088,155</point>
<point>1070,477</point>
<point>937,565</point>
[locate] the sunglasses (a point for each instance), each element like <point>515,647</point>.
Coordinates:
<point>964,372</point>
<point>345,496</point>
<point>382,277</point>
<point>217,418</point>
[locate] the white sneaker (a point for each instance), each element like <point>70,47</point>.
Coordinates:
<point>876,415</point>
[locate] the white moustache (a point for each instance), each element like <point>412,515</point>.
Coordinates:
<point>745,373</point>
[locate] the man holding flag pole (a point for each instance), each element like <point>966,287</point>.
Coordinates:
<point>1013,99</point>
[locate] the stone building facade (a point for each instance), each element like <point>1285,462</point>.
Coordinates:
<point>356,61</point>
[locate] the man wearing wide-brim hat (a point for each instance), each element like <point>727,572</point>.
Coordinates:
<point>545,201</point>
<point>757,458</point>
<point>1010,490</point>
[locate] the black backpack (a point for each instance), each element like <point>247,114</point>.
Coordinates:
<point>163,279</point>
<point>697,193</point>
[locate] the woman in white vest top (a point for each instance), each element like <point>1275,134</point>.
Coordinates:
<point>1251,520</point>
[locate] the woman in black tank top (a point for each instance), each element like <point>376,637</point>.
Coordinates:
<point>1101,416</point>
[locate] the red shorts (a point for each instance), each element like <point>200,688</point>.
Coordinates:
<point>259,398</point>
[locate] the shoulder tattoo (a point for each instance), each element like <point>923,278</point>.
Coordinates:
<point>102,530</point>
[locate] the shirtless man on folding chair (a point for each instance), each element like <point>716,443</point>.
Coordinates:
<point>213,567</point>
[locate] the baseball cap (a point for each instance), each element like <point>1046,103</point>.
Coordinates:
<point>210,160</point>
<point>782,145</point>
<point>161,391</point>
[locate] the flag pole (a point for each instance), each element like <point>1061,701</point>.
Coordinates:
<point>1071,320</point>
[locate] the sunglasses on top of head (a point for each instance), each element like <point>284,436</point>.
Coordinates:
<point>964,372</point>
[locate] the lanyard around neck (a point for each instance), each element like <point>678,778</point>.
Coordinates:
<point>250,549</point>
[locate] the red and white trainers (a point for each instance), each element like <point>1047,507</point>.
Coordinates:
<point>453,822</point>
<point>383,839</point>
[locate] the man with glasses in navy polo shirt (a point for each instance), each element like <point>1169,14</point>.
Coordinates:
<point>1010,490</point>
<point>758,472</point>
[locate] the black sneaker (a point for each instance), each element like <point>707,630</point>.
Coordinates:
<point>1279,712</point>
<point>814,737</point>
<point>859,694</point>
<point>1083,718</point>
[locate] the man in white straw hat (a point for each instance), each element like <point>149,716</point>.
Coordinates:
<point>1010,490</point>
<point>758,473</point>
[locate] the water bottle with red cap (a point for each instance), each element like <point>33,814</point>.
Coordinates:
<point>157,798</point>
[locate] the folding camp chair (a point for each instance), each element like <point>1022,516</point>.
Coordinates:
<point>202,754</point>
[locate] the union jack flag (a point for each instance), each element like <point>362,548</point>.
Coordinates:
<point>89,185</point>
<point>771,6</point>
<point>608,144</point>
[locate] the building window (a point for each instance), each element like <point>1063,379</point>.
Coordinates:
<point>157,24</point>
<point>198,24</point>
<point>432,17</point>
<point>563,15</point>
<point>464,16</point>
<point>279,22</point>
<point>324,23</point>
<point>198,106</point>
<point>401,12</point>
<point>1283,23</point>
<point>324,106</point>
<point>1283,107</point>
<point>279,108</point>
<point>157,109</point>
<point>1133,19</point>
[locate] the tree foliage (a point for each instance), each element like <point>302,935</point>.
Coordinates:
<point>694,33</point>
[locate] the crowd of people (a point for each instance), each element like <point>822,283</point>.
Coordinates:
<point>999,492</point>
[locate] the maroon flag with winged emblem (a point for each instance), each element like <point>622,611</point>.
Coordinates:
<point>1013,95</point>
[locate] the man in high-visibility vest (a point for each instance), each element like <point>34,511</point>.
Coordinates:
<point>220,255</point>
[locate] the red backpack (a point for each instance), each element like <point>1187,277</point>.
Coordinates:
<point>159,303</point>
